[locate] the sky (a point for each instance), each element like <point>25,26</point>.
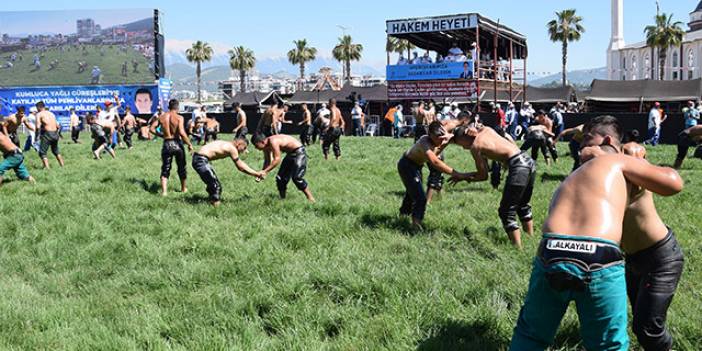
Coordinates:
<point>64,22</point>
<point>268,28</point>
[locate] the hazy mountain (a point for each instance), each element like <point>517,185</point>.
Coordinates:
<point>146,24</point>
<point>275,65</point>
<point>184,78</point>
<point>581,77</point>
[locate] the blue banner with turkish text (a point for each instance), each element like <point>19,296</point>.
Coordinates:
<point>431,71</point>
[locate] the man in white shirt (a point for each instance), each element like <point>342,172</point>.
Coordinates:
<point>398,121</point>
<point>455,50</point>
<point>75,126</point>
<point>455,111</point>
<point>95,75</point>
<point>31,141</point>
<point>654,124</point>
<point>526,115</point>
<point>321,122</point>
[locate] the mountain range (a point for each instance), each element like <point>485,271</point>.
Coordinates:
<point>182,72</point>
<point>578,78</point>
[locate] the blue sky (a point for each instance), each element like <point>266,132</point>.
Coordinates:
<point>64,22</point>
<point>269,27</point>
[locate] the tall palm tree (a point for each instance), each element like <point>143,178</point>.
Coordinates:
<point>345,52</point>
<point>301,54</point>
<point>391,46</point>
<point>663,35</point>
<point>404,45</point>
<point>243,60</point>
<point>200,52</point>
<point>567,27</point>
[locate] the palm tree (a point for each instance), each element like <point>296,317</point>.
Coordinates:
<point>404,45</point>
<point>200,52</point>
<point>301,54</point>
<point>345,52</point>
<point>243,60</point>
<point>565,28</point>
<point>663,35</point>
<point>391,46</point>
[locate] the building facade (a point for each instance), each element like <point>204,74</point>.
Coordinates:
<point>639,61</point>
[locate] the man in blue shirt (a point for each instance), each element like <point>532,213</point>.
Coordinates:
<point>692,115</point>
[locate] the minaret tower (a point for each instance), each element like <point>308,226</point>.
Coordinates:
<point>617,41</point>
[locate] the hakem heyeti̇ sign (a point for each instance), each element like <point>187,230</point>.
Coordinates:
<point>432,24</point>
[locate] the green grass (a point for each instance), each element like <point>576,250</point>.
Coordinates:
<point>93,258</point>
<point>66,73</point>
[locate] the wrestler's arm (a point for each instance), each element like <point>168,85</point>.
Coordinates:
<point>184,135</point>
<point>25,121</point>
<point>439,165</point>
<point>274,158</point>
<point>241,165</point>
<point>152,128</point>
<point>663,181</point>
<point>566,132</point>
<point>481,165</point>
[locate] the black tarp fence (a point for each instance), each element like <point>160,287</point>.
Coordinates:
<point>669,129</point>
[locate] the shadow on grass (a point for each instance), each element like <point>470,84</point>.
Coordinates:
<point>497,236</point>
<point>385,221</point>
<point>197,199</point>
<point>480,335</point>
<point>549,177</point>
<point>150,187</point>
<point>568,336</point>
<point>397,193</point>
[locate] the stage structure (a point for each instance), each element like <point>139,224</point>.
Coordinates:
<point>471,54</point>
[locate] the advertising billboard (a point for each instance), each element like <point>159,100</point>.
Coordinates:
<point>428,89</point>
<point>444,70</point>
<point>142,99</point>
<point>77,47</point>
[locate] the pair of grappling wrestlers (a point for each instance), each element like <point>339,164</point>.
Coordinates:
<point>48,128</point>
<point>292,167</point>
<point>603,239</point>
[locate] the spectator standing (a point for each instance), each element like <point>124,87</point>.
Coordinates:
<point>397,121</point>
<point>322,114</point>
<point>655,118</point>
<point>692,115</point>
<point>512,117</point>
<point>357,119</point>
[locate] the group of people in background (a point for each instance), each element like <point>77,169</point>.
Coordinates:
<point>454,54</point>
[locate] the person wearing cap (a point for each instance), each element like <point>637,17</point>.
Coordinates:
<point>655,118</point>
<point>526,115</point>
<point>692,115</point>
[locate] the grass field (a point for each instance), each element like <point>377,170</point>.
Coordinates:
<point>23,72</point>
<point>93,258</point>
